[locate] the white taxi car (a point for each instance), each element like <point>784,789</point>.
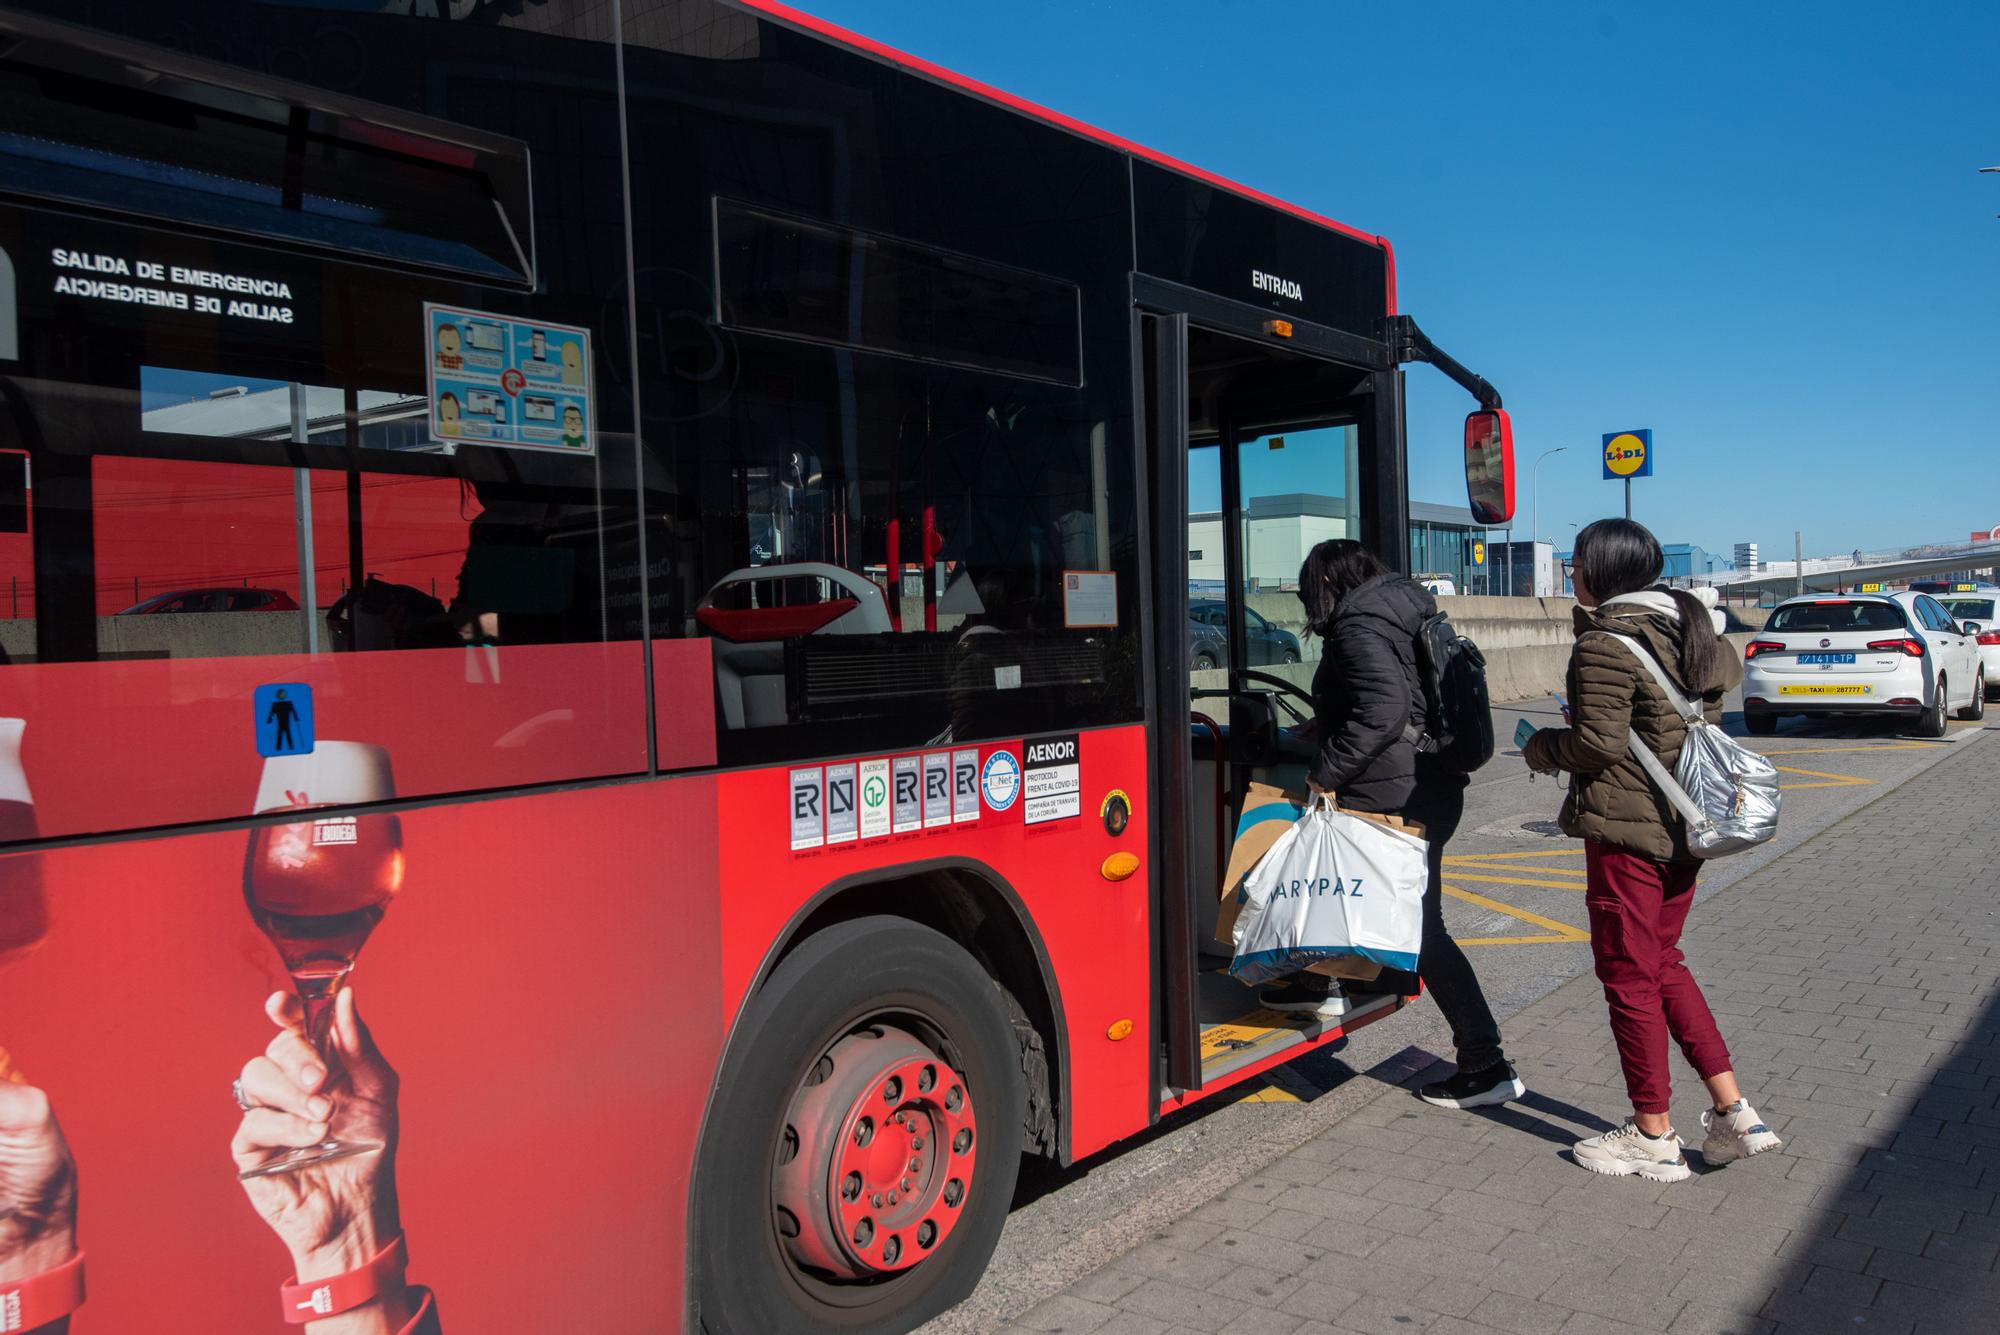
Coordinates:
<point>1977,608</point>
<point>1862,653</point>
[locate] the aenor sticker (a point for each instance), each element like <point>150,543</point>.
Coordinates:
<point>874,794</point>
<point>909,794</point>
<point>842,826</point>
<point>808,820</point>
<point>964,786</point>
<point>1052,779</point>
<point>937,789</point>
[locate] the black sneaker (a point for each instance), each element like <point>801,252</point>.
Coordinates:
<point>1475,1089</point>
<point>1306,999</point>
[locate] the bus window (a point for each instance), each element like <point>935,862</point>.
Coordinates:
<point>238,461</point>
<point>891,553</point>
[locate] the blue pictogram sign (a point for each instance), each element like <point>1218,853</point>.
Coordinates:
<point>283,718</point>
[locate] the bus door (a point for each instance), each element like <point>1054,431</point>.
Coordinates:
<point>1258,452</point>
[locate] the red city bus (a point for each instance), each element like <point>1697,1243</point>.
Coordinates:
<point>673,526</point>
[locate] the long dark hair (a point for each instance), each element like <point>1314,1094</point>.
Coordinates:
<point>1332,570</point>
<point>1620,556</point>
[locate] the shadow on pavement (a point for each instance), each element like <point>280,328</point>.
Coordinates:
<point>1904,1236</point>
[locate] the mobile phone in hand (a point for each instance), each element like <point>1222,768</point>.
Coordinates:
<point>1522,732</point>
<point>1562,704</point>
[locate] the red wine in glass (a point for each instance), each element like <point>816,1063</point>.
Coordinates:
<point>317,886</point>
<point>24,910</point>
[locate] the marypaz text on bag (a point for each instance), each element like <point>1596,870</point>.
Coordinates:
<point>1333,885</point>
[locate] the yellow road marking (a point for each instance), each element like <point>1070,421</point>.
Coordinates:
<point>1463,875</point>
<point>1833,780</point>
<point>1272,1094</point>
<point>1519,940</point>
<point>1562,930</point>
<point>1844,750</point>
<point>1497,857</point>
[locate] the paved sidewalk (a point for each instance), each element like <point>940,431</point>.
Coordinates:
<point>1857,980</point>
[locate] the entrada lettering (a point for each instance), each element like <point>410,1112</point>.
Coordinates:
<point>1314,889</point>
<point>1270,282</point>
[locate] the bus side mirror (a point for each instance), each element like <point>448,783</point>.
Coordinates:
<point>1489,465</point>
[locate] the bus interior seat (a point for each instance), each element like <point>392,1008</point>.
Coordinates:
<point>750,639</point>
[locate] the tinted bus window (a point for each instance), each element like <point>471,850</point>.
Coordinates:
<point>800,279</point>
<point>892,438</point>
<point>325,466</point>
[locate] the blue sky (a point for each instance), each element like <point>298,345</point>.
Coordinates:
<point>1758,230</point>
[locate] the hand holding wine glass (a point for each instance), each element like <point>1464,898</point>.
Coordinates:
<point>318,886</point>
<point>333,1215</point>
<point>37,1186</point>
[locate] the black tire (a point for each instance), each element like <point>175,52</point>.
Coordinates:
<point>1760,725</point>
<point>1976,710</point>
<point>1932,722</point>
<point>1203,663</point>
<point>878,968</point>
<point>1291,657</point>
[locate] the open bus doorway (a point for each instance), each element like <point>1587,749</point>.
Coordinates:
<point>1272,452</point>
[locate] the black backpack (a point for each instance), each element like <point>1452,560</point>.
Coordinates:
<point>1458,721</point>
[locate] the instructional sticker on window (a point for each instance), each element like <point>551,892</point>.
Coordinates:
<point>1090,598</point>
<point>516,384</point>
<point>1052,781</point>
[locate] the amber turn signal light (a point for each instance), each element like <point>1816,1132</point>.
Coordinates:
<point>1119,866</point>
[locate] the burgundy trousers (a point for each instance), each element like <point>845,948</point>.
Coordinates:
<point>1637,909</point>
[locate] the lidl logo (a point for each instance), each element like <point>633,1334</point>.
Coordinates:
<point>1628,454</point>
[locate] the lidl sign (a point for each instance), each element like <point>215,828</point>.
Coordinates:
<point>1479,553</point>
<point>1628,454</point>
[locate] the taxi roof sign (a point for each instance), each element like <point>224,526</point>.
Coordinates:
<point>1628,454</point>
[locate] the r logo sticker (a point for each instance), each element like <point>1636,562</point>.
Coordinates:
<point>808,818</point>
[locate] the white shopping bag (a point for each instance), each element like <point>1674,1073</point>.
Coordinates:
<point>1332,885</point>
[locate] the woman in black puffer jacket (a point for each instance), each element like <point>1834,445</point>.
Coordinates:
<point>1369,705</point>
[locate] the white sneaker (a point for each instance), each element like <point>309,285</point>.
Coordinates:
<point>1736,1134</point>
<point>1628,1150</point>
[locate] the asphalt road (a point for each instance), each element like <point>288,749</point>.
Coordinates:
<point>1514,898</point>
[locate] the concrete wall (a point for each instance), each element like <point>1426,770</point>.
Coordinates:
<point>178,635</point>
<point>1526,641</point>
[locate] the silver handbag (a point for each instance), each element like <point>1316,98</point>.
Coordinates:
<point>1726,793</point>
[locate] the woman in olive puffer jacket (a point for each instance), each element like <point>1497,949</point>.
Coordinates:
<point>1640,876</point>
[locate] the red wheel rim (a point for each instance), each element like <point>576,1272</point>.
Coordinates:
<point>877,1156</point>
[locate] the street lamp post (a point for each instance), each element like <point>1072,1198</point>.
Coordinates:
<point>1534,535</point>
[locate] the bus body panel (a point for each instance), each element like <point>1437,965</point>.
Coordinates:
<point>549,999</point>
<point>1094,931</point>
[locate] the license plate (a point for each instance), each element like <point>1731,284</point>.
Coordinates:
<point>1828,689</point>
<point>1826,658</point>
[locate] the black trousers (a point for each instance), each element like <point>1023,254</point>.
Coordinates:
<point>1438,805</point>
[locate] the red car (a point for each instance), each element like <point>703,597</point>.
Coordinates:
<point>215,600</point>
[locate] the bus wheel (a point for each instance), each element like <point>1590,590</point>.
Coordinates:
<point>862,1147</point>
